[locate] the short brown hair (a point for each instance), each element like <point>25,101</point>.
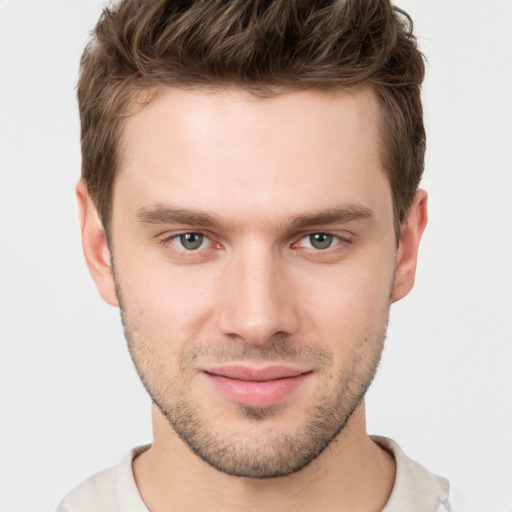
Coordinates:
<point>260,45</point>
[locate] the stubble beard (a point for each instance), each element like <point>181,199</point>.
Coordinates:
<point>270,455</point>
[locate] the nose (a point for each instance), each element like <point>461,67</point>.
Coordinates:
<point>257,299</point>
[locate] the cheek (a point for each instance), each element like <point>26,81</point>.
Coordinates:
<point>169,303</point>
<point>352,304</point>
<point>177,304</point>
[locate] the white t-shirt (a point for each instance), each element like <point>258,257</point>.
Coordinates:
<point>114,489</point>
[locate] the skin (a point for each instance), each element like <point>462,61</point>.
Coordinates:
<point>262,173</point>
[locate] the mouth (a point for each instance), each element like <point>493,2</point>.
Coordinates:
<point>256,387</point>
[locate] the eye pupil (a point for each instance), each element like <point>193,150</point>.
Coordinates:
<point>321,240</point>
<point>191,241</point>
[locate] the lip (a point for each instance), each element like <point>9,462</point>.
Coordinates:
<point>256,387</point>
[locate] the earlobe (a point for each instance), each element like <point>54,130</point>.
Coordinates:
<point>407,254</point>
<point>94,244</point>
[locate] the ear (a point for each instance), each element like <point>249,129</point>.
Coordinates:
<point>94,244</point>
<point>407,254</point>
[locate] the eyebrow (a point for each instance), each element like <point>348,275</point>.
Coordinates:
<point>159,214</point>
<point>341,215</point>
<point>163,214</point>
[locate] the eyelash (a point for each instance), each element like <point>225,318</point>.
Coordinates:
<point>341,241</point>
<point>167,242</point>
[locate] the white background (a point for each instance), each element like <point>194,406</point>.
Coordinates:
<point>70,402</point>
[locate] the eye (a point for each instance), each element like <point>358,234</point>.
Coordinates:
<point>191,241</point>
<point>319,241</point>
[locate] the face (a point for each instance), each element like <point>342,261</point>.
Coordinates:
<point>255,261</point>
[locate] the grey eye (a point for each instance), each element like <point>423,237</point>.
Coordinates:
<point>191,241</point>
<point>321,240</point>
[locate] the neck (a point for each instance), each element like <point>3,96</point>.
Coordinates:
<point>352,473</point>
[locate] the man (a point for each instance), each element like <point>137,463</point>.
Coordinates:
<point>249,199</point>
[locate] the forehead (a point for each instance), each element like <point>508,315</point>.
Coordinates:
<point>230,147</point>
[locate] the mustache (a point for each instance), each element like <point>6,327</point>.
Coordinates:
<point>279,348</point>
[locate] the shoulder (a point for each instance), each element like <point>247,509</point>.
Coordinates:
<point>96,493</point>
<point>110,490</point>
<point>415,487</point>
